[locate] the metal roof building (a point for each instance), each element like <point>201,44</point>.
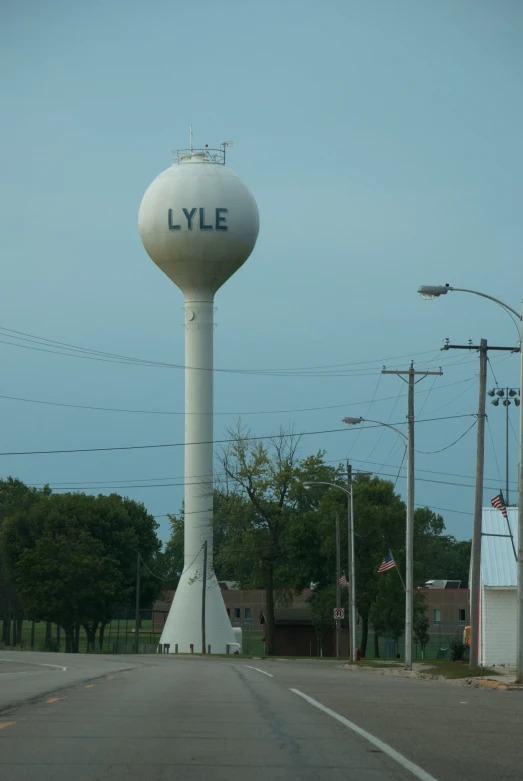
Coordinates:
<point>497,635</point>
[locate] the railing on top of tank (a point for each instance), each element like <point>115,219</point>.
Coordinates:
<point>210,155</point>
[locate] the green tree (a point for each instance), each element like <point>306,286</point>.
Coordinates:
<point>438,556</point>
<point>265,509</point>
<point>15,496</point>
<point>104,535</point>
<point>77,581</point>
<point>322,602</point>
<point>388,610</point>
<point>420,621</point>
<point>379,523</point>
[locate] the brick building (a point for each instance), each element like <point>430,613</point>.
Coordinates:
<point>244,606</point>
<point>447,609</point>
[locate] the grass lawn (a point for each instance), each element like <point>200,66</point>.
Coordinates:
<point>376,663</point>
<point>458,670</point>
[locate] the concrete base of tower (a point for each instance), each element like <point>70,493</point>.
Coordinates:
<point>183,629</point>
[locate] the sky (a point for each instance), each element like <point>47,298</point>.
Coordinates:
<point>382,142</point>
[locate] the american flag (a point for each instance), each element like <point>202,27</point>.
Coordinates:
<point>499,503</point>
<point>387,563</point>
<point>343,580</point>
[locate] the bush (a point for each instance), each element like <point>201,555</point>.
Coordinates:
<point>458,648</point>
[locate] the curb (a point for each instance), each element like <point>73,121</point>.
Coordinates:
<point>487,683</point>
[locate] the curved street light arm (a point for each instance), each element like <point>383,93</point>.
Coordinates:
<point>321,482</point>
<point>485,295</point>
<point>387,425</point>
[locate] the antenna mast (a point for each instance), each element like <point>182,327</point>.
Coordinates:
<point>190,138</point>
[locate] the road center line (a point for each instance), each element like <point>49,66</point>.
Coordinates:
<point>416,771</point>
<point>258,670</point>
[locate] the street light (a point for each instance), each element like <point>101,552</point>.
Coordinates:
<point>427,292</point>
<point>350,533</point>
<point>507,396</point>
<point>409,532</point>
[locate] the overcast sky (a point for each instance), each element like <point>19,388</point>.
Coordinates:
<point>382,141</point>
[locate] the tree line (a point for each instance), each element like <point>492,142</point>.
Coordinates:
<point>70,559</point>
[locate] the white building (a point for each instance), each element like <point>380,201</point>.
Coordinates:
<point>497,632</point>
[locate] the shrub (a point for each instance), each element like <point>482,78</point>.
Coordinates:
<point>458,648</point>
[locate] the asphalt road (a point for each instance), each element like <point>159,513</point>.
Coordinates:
<point>187,719</point>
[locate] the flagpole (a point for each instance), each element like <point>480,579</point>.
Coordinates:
<point>398,570</point>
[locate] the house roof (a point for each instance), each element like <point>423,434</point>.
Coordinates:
<point>498,563</point>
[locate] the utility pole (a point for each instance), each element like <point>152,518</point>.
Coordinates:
<point>475,567</point>
<point>350,548</point>
<point>204,593</point>
<point>475,559</point>
<point>338,584</point>
<point>409,535</point>
<point>352,568</point>
<point>137,611</point>
<point>519,620</point>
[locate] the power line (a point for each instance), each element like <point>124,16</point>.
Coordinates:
<point>91,484</point>
<point>62,348</point>
<point>425,471</point>
<point>251,412</point>
<point>377,472</point>
<point>210,442</point>
<point>447,447</point>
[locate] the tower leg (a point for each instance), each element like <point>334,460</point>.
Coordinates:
<point>183,626</point>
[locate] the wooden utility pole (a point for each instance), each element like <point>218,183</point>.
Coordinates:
<point>475,559</point>
<point>409,546</point>
<point>350,567</point>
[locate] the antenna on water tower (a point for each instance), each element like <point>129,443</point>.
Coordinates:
<point>224,146</point>
<point>190,138</point>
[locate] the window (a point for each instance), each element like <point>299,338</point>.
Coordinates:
<point>461,615</point>
<point>247,613</point>
<point>236,612</point>
<point>437,614</point>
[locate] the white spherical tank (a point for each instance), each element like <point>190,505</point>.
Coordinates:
<point>199,223</point>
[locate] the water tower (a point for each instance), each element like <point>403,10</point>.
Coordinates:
<point>199,223</point>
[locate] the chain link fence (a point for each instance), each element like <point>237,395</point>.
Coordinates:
<point>119,637</point>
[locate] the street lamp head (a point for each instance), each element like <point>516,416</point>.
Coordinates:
<point>307,485</point>
<point>433,291</point>
<point>512,392</point>
<point>500,392</point>
<point>352,421</point>
<point>495,402</point>
<point>517,402</point>
<point>491,392</point>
